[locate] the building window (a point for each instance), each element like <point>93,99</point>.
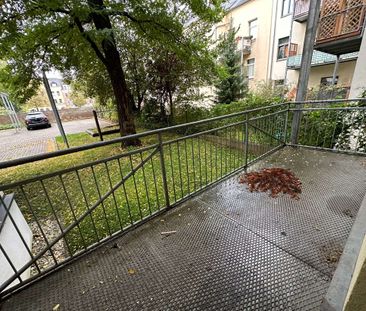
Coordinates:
<point>282,48</point>
<point>250,67</point>
<point>60,101</point>
<point>287,7</point>
<point>53,84</point>
<point>279,82</point>
<point>326,81</point>
<point>253,28</point>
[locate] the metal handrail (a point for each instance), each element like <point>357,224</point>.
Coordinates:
<point>11,163</point>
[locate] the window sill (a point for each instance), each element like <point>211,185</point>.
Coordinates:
<point>289,14</point>
<point>281,59</point>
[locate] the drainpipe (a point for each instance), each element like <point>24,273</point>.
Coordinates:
<point>334,77</point>
<point>290,41</point>
<point>335,71</point>
<point>273,32</point>
<point>307,54</point>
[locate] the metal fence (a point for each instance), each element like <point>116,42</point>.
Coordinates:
<point>337,125</point>
<point>83,203</point>
<point>89,198</point>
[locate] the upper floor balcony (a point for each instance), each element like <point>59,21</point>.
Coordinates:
<point>244,44</point>
<point>319,58</point>
<point>340,26</point>
<point>301,10</point>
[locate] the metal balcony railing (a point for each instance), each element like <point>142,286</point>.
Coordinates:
<point>319,58</point>
<point>244,45</point>
<point>301,9</point>
<point>90,201</point>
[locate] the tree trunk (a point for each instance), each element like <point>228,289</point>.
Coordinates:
<point>113,65</point>
<point>171,104</point>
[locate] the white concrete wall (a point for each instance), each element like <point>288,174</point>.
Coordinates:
<point>13,245</point>
<point>282,29</point>
<point>359,78</point>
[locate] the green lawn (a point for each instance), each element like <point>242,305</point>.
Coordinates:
<point>6,126</point>
<point>190,164</point>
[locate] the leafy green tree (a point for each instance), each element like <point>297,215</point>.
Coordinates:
<point>36,35</point>
<point>231,84</point>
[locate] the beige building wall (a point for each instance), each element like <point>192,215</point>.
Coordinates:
<point>345,74</point>
<point>239,18</point>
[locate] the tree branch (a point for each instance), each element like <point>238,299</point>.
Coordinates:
<point>90,40</point>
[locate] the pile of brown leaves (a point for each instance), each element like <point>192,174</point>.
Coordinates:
<point>275,180</point>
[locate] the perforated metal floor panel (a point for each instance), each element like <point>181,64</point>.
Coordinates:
<point>232,250</point>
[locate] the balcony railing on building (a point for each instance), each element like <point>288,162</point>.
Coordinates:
<point>320,58</point>
<point>301,10</point>
<point>341,26</point>
<point>244,45</point>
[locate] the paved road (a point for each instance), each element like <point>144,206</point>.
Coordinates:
<point>15,145</point>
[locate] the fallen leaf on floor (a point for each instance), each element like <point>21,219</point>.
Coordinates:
<point>131,271</point>
<point>56,307</point>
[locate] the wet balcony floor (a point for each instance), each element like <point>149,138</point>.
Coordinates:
<point>232,249</point>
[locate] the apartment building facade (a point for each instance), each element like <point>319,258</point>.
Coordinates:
<point>60,93</point>
<point>252,20</point>
<point>271,35</point>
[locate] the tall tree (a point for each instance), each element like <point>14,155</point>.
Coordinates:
<point>231,84</point>
<point>36,35</point>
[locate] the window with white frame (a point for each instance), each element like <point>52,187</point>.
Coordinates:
<point>287,7</point>
<point>250,67</point>
<point>282,51</point>
<point>253,28</point>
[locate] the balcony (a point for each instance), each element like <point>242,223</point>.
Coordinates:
<point>244,45</point>
<point>340,28</point>
<point>301,10</point>
<point>167,226</point>
<point>320,58</point>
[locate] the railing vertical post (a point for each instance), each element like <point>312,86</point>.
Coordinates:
<point>163,170</point>
<point>286,125</point>
<point>246,140</point>
<point>98,125</point>
<point>306,59</point>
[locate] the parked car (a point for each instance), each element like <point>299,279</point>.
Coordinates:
<point>36,120</point>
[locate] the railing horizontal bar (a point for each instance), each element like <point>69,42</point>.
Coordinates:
<point>267,115</point>
<point>76,168</point>
<point>327,101</point>
<point>352,152</point>
<point>327,109</point>
<point>71,150</point>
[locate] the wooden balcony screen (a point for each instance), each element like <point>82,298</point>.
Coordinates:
<point>340,19</point>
